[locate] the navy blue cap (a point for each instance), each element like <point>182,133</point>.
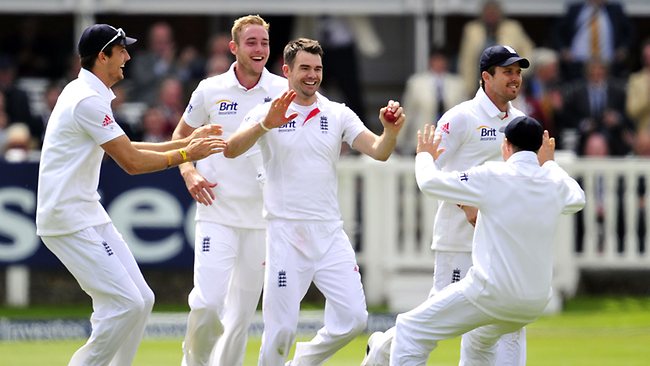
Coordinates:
<point>98,37</point>
<point>524,132</point>
<point>501,56</point>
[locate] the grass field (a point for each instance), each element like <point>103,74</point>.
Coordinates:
<point>593,332</point>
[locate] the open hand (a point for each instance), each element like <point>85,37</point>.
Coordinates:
<point>428,141</point>
<point>277,113</point>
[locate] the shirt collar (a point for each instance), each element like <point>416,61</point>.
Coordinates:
<point>261,83</point>
<point>523,156</point>
<point>93,81</point>
<point>489,108</point>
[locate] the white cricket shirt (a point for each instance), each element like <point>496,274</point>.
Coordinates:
<point>300,159</point>
<point>82,120</point>
<point>223,100</point>
<point>470,137</point>
<point>520,205</point>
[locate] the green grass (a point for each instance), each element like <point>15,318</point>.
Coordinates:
<point>602,332</point>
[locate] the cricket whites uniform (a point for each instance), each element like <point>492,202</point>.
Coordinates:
<point>470,137</point>
<point>305,238</point>
<point>230,233</point>
<point>76,228</point>
<point>509,283</point>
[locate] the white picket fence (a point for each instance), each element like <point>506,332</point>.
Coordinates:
<point>390,224</point>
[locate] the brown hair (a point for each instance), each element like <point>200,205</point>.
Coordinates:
<point>301,44</point>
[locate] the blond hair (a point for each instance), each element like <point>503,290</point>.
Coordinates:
<point>244,21</point>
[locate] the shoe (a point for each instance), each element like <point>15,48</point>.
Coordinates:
<point>369,360</point>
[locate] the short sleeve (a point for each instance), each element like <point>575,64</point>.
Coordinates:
<point>196,113</point>
<point>95,117</point>
<point>352,125</point>
<point>453,128</point>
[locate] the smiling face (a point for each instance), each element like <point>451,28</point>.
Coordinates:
<point>504,85</point>
<point>251,50</point>
<point>113,66</point>
<point>305,75</point>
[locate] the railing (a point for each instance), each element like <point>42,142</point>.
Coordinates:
<point>392,223</point>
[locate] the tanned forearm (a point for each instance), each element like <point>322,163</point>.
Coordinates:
<point>243,140</point>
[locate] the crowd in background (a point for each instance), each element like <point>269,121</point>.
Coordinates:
<point>580,85</point>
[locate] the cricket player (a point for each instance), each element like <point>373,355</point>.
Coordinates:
<point>69,216</point>
<point>230,231</point>
<point>471,137</point>
<point>305,238</point>
<point>509,283</point>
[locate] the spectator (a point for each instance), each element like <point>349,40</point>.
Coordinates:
<point>598,104</point>
<point>131,126</point>
<point>427,96</point>
<point>491,28</point>
<point>19,145</point>
<point>593,29</point>
<point>4,123</point>
<point>171,101</point>
<point>155,127</point>
<point>50,96</point>
<point>217,64</point>
<point>16,100</point>
<point>638,92</point>
<point>154,64</point>
<point>342,39</point>
<point>543,93</point>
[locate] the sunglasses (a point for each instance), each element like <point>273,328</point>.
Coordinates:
<point>120,34</point>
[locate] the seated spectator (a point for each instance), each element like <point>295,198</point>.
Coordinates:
<point>597,104</point>
<point>154,126</point>
<point>638,92</point>
<point>19,145</point>
<point>151,66</point>
<point>427,97</point>
<point>16,100</point>
<point>490,29</point>
<point>543,93</point>
<point>171,101</point>
<point>217,64</point>
<point>593,29</point>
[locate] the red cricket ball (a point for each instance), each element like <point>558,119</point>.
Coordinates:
<point>389,115</point>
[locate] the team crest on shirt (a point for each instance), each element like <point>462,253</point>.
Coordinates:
<point>445,128</point>
<point>227,107</point>
<point>323,124</point>
<point>487,133</point>
<point>267,99</point>
<point>189,108</point>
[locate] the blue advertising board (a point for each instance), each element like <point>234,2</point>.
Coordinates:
<point>154,213</point>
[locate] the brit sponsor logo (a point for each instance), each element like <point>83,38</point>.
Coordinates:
<point>189,108</point>
<point>487,133</point>
<point>288,127</point>
<point>227,107</point>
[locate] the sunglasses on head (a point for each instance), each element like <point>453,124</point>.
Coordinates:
<point>120,34</point>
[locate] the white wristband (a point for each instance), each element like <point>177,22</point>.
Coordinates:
<point>264,127</point>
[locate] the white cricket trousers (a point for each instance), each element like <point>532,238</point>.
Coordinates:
<point>446,315</point>
<point>450,267</point>
<point>105,269</point>
<point>298,253</point>
<point>228,279</point>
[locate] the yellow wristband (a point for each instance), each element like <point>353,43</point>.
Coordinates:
<point>169,159</point>
<point>264,127</point>
<point>183,154</point>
